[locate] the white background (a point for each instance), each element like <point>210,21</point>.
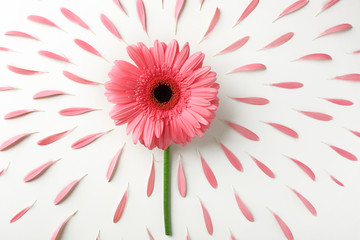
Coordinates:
<point>96,199</point>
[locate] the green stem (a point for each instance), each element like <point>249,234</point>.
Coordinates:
<point>167,220</point>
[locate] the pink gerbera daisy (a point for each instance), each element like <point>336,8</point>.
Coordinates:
<point>168,97</point>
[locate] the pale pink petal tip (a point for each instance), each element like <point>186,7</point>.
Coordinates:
<point>58,232</point>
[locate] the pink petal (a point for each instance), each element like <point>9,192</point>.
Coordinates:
<point>232,158</point>
<point>316,56</point>
<point>342,102</point>
<point>87,47</point>
<point>22,70</point>
<point>84,141</point>
<point>110,26</point>
<point>65,192</point>
<point>19,113</point>
<point>208,173</point>
<point>74,18</point>
<point>336,181</point>
<point>6,88</point>
<point>252,5</point>
<point>78,79</point>
<point>243,131</point>
<point>42,20</point>
<point>21,213</point>
<point>306,202</point>
<point>280,40</point>
<point>151,179</point>
<point>335,29</point>
<point>48,93</point>
<point>317,115</point>
<point>263,168</point>
<point>113,165</point>
<point>178,9</point>
<point>344,153</point>
<point>13,141</point>
<point>285,229</point>
<point>181,180</point>
<point>20,34</point>
<point>141,13</point>
<point>288,85</point>
<point>327,5</point>
<point>120,209</point>
<point>250,67</point>
<point>213,23</point>
<point>304,167</point>
<point>245,211</point>
<point>236,45</point>
<point>37,172</point>
<point>75,111</point>
<point>355,77</point>
<point>284,129</point>
<point>207,219</point>
<point>293,7</point>
<point>253,100</point>
<point>52,138</point>
<point>57,233</point>
<point>53,56</point>
<point>118,3</point>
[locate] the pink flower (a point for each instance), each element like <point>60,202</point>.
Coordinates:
<point>168,97</point>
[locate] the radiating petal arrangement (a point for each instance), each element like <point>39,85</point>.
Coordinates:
<point>199,86</point>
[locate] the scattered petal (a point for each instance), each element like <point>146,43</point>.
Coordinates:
<point>42,20</point>
<point>113,164</point>
<point>84,141</point>
<point>234,46</point>
<point>207,219</point>
<point>5,169</point>
<point>110,26</point>
<point>178,8</point>
<point>37,172</point>
<point>253,100</point>
<point>356,133</point>
<point>78,79</point>
<point>22,70</point>
<point>118,3</point>
<point>317,115</point>
<point>252,5</point>
<point>284,129</point>
<point>48,93</point>
<point>53,56</point>
<point>288,85</point>
<point>280,40</point>
<point>20,34</point>
<point>141,13</point>
<point>336,181</point>
<point>243,131</point>
<point>327,5</point>
<point>149,234</point>
<point>57,234</point>
<point>19,113</point>
<point>342,102</point>
<point>343,153</point>
<point>52,138</point>
<point>250,67</point>
<point>335,29</point>
<point>263,168</point>
<point>316,56</point>
<point>213,23</point>
<point>6,88</point>
<point>208,172</point>
<point>306,202</point>
<point>151,179</point>
<point>120,208</point>
<point>87,47</point>
<point>181,180</point>
<point>285,229</point>
<point>74,18</point>
<point>303,167</point>
<point>21,213</point>
<point>13,141</point>
<point>245,211</point>
<point>355,77</point>
<point>232,158</point>
<point>63,194</point>
<point>5,49</point>
<point>293,7</point>
<point>75,111</point>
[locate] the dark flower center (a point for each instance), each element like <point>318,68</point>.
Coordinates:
<point>162,93</point>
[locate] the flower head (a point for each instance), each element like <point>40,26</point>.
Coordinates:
<point>167,97</point>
